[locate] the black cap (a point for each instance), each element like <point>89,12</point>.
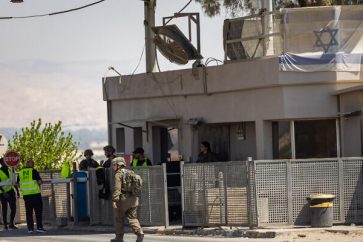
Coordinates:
<point>138,150</point>
<point>88,152</point>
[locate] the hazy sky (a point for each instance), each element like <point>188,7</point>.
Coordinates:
<point>51,67</point>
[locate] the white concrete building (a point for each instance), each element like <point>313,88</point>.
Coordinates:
<point>271,107</point>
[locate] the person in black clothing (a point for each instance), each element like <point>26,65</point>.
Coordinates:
<point>206,155</point>
<point>88,162</point>
<point>30,181</point>
<point>103,174</point>
<point>139,159</point>
<point>110,154</point>
<point>7,196</point>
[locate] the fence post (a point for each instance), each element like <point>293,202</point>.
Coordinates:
<point>341,189</point>
<point>53,200</point>
<point>75,195</point>
<point>251,195</point>
<point>222,202</point>
<point>69,202</point>
<point>289,193</point>
<point>225,177</point>
<point>205,214</point>
<point>166,201</point>
<point>182,190</point>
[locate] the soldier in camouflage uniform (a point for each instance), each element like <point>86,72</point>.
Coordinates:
<point>124,204</point>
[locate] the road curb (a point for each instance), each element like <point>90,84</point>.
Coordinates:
<point>230,233</point>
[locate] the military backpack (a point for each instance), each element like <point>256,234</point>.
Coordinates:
<point>131,182</point>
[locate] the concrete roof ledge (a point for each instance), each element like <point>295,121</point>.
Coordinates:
<point>348,90</point>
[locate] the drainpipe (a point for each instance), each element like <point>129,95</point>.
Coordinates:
<point>149,21</point>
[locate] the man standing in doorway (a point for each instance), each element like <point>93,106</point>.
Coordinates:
<point>139,159</point>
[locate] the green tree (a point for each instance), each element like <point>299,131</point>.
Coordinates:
<point>48,146</point>
<point>234,7</point>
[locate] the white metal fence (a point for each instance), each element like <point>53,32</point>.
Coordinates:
<point>215,194</point>
<point>261,192</point>
<point>56,200</point>
<point>153,208</point>
<point>282,187</point>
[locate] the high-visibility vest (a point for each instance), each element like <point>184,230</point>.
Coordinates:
<point>135,161</point>
<point>66,170</point>
<point>99,167</point>
<point>5,178</point>
<point>28,186</point>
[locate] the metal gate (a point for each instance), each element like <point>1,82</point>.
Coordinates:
<point>215,193</point>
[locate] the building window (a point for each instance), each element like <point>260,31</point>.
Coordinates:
<point>315,138</point>
<point>241,131</point>
<point>281,140</point>
<point>311,139</point>
<point>138,137</point>
<point>120,140</point>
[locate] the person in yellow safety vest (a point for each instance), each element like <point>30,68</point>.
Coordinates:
<point>30,181</point>
<point>139,158</point>
<point>7,196</point>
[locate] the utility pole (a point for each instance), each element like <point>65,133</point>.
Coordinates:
<point>149,21</point>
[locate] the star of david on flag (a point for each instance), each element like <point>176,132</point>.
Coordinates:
<point>319,42</point>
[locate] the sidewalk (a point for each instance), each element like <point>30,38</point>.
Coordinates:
<point>270,232</point>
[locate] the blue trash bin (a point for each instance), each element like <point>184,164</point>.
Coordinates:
<point>82,203</point>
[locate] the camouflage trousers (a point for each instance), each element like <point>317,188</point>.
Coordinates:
<point>126,207</point>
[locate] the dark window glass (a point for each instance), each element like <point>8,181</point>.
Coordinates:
<point>281,140</point>
<point>120,140</point>
<point>315,139</point>
<point>137,137</point>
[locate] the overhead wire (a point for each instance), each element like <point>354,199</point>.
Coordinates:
<point>133,73</point>
<point>54,13</point>
<point>210,59</point>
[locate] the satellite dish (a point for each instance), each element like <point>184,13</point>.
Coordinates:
<point>173,44</point>
<point>3,145</point>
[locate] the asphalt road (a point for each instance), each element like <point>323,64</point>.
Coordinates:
<point>74,236</point>
<point>77,236</point>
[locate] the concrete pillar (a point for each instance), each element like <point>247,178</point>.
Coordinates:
<point>264,139</point>
<point>187,142</point>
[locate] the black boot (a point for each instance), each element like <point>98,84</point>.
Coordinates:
<point>140,237</point>
<point>12,226</point>
<point>118,238</point>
